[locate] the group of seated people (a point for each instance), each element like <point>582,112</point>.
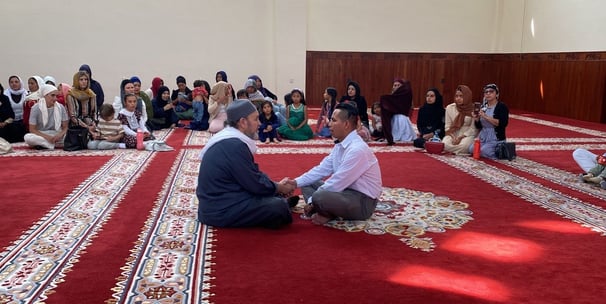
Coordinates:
<point>457,126</point>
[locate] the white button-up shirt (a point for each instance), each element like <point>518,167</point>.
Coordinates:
<point>350,164</point>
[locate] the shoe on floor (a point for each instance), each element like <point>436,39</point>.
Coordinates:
<point>293,201</point>
<point>582,178</point>
<point>587,176</point>
<point>309,210</point>
<point>594,180</point>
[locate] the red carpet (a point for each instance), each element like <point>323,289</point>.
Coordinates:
<point>524,231</point>
<point>26,197</point>
<point>512,252</point>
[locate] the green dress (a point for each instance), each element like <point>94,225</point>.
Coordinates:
<point>295,118</point>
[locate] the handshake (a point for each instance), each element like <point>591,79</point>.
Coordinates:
<point>286,187</point>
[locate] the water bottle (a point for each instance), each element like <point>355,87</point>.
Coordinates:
<point>476,149</point>
<point>436,137</point>
<point>139,139</point>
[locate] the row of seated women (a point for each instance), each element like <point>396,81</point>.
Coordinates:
<point>457,126</point>
<point>464,121</point>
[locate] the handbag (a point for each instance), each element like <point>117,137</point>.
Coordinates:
<point>506,150</point>
<point>76,138</point>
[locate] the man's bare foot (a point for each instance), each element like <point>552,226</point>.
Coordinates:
<point>319,219</point>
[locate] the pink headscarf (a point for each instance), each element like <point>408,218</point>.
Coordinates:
<point>63,91</point>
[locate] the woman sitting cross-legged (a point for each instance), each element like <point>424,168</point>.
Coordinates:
<point>431,118</point>
<point>491,119</point>
<point>459,125</point>
<point>164,113</point>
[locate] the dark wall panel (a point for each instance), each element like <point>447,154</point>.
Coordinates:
<point>564,84</point>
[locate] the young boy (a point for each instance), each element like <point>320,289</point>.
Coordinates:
<point>109,131</point>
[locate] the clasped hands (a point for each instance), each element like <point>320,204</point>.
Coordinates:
<point>286,187</point>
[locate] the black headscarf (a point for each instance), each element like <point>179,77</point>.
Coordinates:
<point>431,116</point>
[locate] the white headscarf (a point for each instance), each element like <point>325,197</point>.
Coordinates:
<point>230,132</point>
<point>45,90</point>
<point>51,79</point>
<point>20,91</point>
<point>36,94</point>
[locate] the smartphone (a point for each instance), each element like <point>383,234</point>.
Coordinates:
<point>476,107</point>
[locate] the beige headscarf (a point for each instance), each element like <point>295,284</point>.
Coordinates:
<point>216,92</point>
<point>81,94</point>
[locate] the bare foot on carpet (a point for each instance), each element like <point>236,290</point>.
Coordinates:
<point>319,219</point>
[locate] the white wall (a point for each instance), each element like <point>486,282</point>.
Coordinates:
<point>122,38</point>
<point>451,26</point>
<point>564,25</point>
<point>196,38</point>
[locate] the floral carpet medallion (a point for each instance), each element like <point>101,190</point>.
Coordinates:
<point>409,214</point>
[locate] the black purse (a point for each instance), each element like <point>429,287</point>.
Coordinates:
<point>506,150</point>
<point>76,138</point>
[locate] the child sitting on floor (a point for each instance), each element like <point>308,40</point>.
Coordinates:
<point>109,131</point>
<point>269,123</point>
<point>131,120</point>
<point>377,125</point>
<point>200,105</point>
<point>296,127</point>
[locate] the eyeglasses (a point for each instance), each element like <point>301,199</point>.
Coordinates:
<point>489,91</point>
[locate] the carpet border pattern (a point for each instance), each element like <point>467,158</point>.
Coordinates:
<point>171,261</point>
<point>39,260</point>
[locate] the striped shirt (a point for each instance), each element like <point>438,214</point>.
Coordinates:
<point>109,127</point>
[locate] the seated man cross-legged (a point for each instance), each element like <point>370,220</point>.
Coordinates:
<point>232,191</point>
<point>354,182</point>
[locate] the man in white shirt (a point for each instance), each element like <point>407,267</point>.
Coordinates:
<point>354,184</point>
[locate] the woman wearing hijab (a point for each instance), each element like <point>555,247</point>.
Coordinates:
<point>81,102</point>
<point>63,90</point>
<point>395,109</point>
<point>430,120</point>
<point>164,113</point>
<point>34,84</point>
<point>94,85</point>
<point>16,95</point>
<point>460,128</point>
<point>354,94</point>
<point>7,117</point>
<point>152,92</point>
<point>220,97</point>
<point>264,91</point>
